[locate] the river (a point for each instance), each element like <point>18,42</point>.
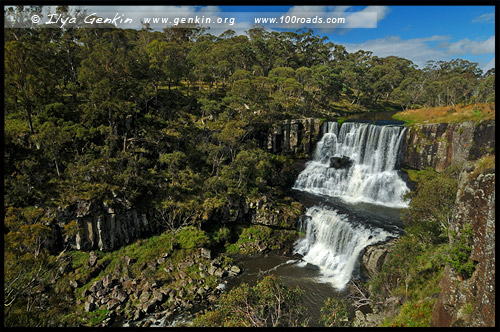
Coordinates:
<point>348,208</point>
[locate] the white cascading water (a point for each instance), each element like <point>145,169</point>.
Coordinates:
<point>332,242</point>
<point>372,178</point>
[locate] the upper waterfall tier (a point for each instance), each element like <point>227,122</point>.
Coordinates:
<point>372,176</point>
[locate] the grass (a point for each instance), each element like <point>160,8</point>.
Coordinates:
<point>412,314</point>
<point>484,163</point>
<point>271,238</point>
<point>426,272</point>
<point>96,317</point>
<point>448,114</point>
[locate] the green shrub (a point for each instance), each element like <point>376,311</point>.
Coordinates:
<point>341,120</point>
<point>267,304</point>
<point>96,317</point>
<point>334,313</point>
<point>192,237</point>
<point>412,314</point>
<point>431,205</point>
<point>222,235</point>
<point>460,250</point>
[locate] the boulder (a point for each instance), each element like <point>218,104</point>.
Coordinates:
<point>212,299</point>
<point>340,162</point>
<point>89,306</point>
<point>97,286</point>
<point>158,296</point>
<point>144,296</point>
<point>138,315</point>
<point>128,261</point>
<point>108,281</point>
<point>211,270</point>
<point>85,292</point>
<point>235,269</point>
<point>220,273</point>
<point>119,295</point>
<point>373,256</point>
<point>201,291</point>
<point>112,304</point>
<point>92,259</point>
<point>312,267</point>
<point>149,306</point>
<point>206,253</point>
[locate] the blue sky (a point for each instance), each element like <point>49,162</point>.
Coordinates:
<point>417,33</point>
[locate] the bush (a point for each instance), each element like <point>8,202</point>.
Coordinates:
<point>399,267</point>
<point>431,205</point>
<point>268,304</point>
<point>192,237</point>
<point>412,314</point>
<point>334,313</point>
<point>460,250</point>
<point>222,235</point>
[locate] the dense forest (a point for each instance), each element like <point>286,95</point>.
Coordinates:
<point>169,122</point>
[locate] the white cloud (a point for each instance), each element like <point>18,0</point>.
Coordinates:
<point>465,46</point>
<point>485,18</point>
<point>420,50</point>
<point>360,18</point>
<point>368,17</point>
<point>417,50</point>
<point>490,64</point>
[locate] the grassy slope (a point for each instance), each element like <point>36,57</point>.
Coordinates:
<point>445,114</point>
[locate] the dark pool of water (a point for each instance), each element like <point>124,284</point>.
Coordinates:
<point>258,266</point>
<point>368,214</point>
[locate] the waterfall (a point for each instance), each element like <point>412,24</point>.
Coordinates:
<point>372,178</point>
<point>333,241</point>
<point>334,244</point>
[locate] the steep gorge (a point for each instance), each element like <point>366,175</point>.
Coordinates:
<point>461,303</point>
<point>439,145</point>
<point>471,301</point>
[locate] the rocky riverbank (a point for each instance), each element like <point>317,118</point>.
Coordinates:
<point>125,297</point>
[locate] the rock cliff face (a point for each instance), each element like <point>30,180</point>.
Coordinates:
<point>294,136</point>
<point>262,211</point>
<point>105,228</point>
<point>440,145</point>
<point>101,226</point>
<point>373,257</point>
<point>471,302</point>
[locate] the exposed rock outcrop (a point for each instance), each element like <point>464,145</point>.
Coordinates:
<point>340,162</point>
<point>440,145</point>
<point>102,226</point>
<point>262,211</point>
<point>137,299</point>
<point>294,136</point>
<point>471,302</point>
<point>373,257</point>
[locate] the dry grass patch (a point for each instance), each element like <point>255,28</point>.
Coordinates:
<point>448,114</point>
